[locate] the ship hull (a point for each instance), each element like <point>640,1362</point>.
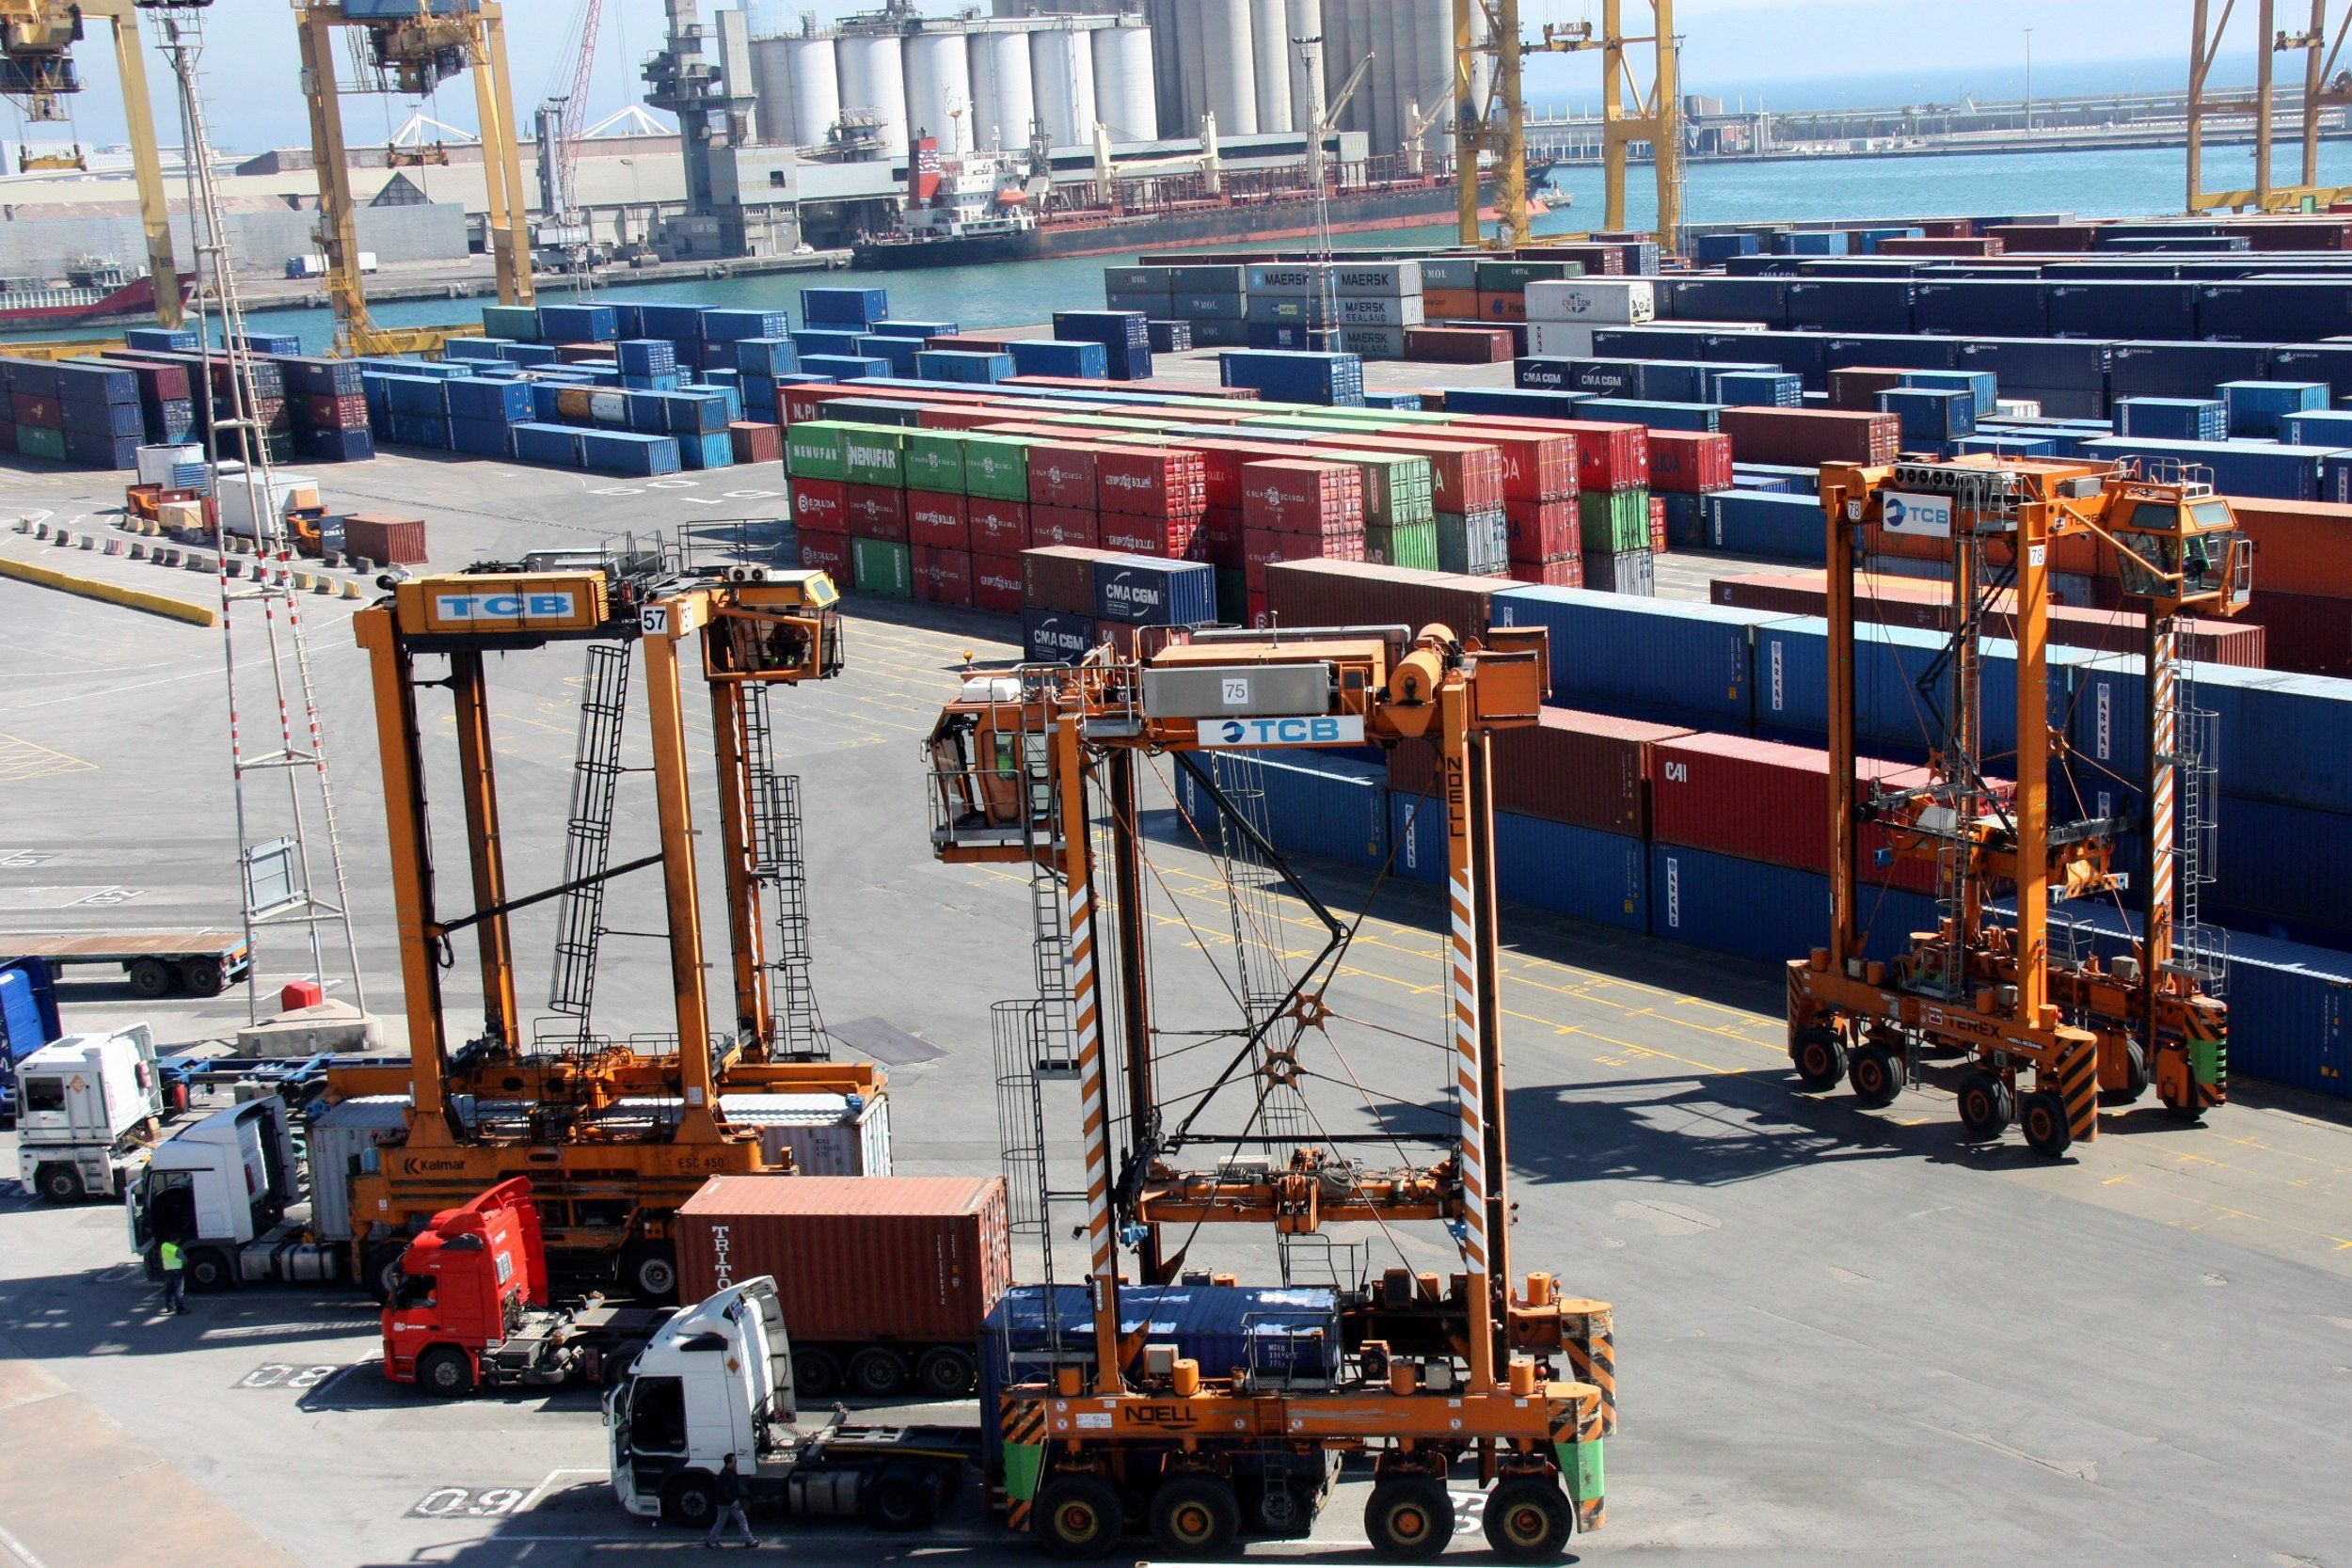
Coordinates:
<point>133,301</point>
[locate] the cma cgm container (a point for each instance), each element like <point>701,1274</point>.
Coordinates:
<point>881,1277</point>
<point>1659,660</point>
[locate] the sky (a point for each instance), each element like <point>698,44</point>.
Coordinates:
<point>1887,47</point>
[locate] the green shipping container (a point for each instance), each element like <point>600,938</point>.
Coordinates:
<point>813,449</point>
<point>1613,521</point>
<point>35,441</point>
<point>1413,545</point>
<point>1504,277</point>
<point>996,467</point>
<point>518,321</point>
<point>875,454</point>
<point>882,568</point>
<point>934,461</point>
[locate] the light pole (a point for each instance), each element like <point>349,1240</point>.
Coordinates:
<point>2029,81</point>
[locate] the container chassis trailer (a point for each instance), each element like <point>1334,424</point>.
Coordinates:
<point>157,963</point>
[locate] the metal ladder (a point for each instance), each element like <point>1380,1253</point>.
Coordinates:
<point>1057,1035</point>
<point>1013,1028</point>
<point>588,831</point>
<point>778,863</point>
<point>2200,949</point>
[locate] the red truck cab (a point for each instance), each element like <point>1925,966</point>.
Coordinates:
<point>468,1281</point>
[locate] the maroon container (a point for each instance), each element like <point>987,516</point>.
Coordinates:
<point>1064,525</point>
<point>40,412</point>
<point>1060,577</point>
<point>1223,459</point>
<point>1807,438</point>
<point>1586,768</point>
<point>999,527</point>
<point>828,553</point>
<point>1457,346</point>
<point>938,522</point>
<point>1325,593</point>
<point>1542,531</point>
<point>1536,464</point>
<point>755,441</point>
<point>1609,456</point>
<point>997,582</point>
<point>1149,482</point>
<point>1261,547</point>
<point>1567,572</point>
<point>1689,462</point>
<point>1761,801</point>
<point>820,505</point>
<point>1220,535</point>
<point>386,541</point>
<point>2308,633</point>
<point>1062,474</point>
<point>875,512</point>
<point>158,380</point>
<point>325,411</point>
<point>1857,387</point>
<point>857,1260</point>
<point>943,576</point>
<point>1170,538</point>
<point>1323,499</point>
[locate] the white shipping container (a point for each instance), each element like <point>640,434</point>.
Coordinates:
<point>1560,339</point>
<point>1602,301</point>
<point>1376,278</point>
<point>293,492</point>
<point>1378,309</point>
<point>157,462</point>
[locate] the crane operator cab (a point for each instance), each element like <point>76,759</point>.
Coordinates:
<point>992,793</point>
<point>2178,546</point>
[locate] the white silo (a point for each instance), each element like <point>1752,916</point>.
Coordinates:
<point>1191,70</point>
<point>1126,99</point>
<point>1270,44</point>
<point>1226,54</point>
<point>1429,82</point>
<point>1301,19</point>
<point>873,68</point>
<point>816,91</point>
<point>1004,105</point>
<point>938,90</point>
<point>1062,68</point>
<point>1342,47</point>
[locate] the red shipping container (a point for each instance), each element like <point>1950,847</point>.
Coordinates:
<point>1063,525</point>
<point>1762,801</point>
<point>1223,459</point>
<point>1325,593</point>
<point>2299,546</point>
<point>938,521</point>
<point>2309,634</point>
<point>857,1260</point>
<point>1689,462</point>
<point>1302,496</point>
<point>325,411</point>
<point>1062,474</point>
<point>820,505</point>
<point>755,441</point>
<point>875,512</point>
<point>1537,466</point>
<point>828,553</point>
<point>1857,387</point>
<point>1609,456</point>
<point>1060,577</point>
<point>386,541</point>
<point>996,583</point>
<point>1263,547</point>
<point>1465,469</point>
<point>1149,482</point>
<point>943,576</point>
<point>1656,524</point>
<point>1807,438</point>
<point>999,527</point>
<point>1220,537</point>
<point>29,408</point>
<point>1567,572</point>
<point>1588,769</point>
<point>1171,538</point>
<point>1544,532</point>
<point>1457,346</point>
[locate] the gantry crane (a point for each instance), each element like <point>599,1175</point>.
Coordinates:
<point>500,1102</point>
<point>2324,87</point>
<point>1984,985</point>
<point>1505,1381</point>
<point>37,70</point>
<point>409,51</point>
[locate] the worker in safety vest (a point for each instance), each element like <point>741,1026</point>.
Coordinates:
<point>175,1266</point>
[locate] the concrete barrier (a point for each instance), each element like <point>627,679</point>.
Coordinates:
<point>351,591</point>
<point>114,593</point>
<point>139,552</point>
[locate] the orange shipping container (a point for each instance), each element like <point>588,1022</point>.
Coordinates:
<point>2299,546</point>
<point>1448,304</point>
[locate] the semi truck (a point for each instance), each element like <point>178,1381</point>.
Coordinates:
<point>89,1107</point>
<point>716,1382</point>
<point>472,1310</point>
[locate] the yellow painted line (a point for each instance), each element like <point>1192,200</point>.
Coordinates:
<point>108,593</point>
<point>22,759</point>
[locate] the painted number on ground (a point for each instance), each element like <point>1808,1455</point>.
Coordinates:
<point>286,1374</point>
<point>108,895</point>
<point>468,1502</point>
<point>28,856</point>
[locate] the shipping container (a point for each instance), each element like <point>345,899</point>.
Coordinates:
<point>1586,768</point>
<point>1353,594</point>
<point>1771,913</point>
<point>1661,659</point>
<point>385,541</point>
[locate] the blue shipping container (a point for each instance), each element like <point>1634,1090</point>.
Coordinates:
<point>1147,591</point>
<point>1756,522</point>
<point>1306,803</point>
<point>1766,912</point>
<point>842,308</point>
<point>2257,407</point>
<point>556,445</point>
<point>498,402</point>
<point>1643,659</point>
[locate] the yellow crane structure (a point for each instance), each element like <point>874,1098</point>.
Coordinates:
<point>409,47</point>
<point>37,39</point>
<point>2324,87</point>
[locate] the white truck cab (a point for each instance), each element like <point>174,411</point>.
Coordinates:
<point>216,1187</point>
<point>88,1105</point>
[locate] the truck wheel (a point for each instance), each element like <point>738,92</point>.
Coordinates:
<point>1078,1516</point>
<point>900,1498</point>
<point>876,1371</point>
<point>2135,1078</point>
<point>1878,1075</point>
<point>690,1498</point>
<point>1528,1519</point>
<point>1985,1106</point>
<point>151,979</point>
<point>816,1374</point>
<point>203,976</point>
<point>649,1269</point>
<point>59,1185</point>
<point>1818,1055</point>
<point>2043,1118</point>
<point>1195,1515</point>
<point>946,1372</point>
<point>1409,1519</point>
<point>208,1271</point>
<point>445,1372</point>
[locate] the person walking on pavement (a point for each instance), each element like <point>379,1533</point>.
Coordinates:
<point>175,1265</point>
<point>728,1495</point>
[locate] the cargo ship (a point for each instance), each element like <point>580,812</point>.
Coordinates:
<point>982,209</point>
<point>94,291</point>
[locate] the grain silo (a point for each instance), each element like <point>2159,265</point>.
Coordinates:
<point>1228,58</point>
<point>816,90</point>
<point>1302,18</point>
<point>1061,69</point>
<point>1270,51</point>
<point>1004,105</point>
<point>873,80</point>
<point>1126,97</point>
<point>939,89</point>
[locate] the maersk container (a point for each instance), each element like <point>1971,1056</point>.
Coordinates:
<point>1766,912</point>
<point>1756,522</point>
<point>2237,467</point>
<point>1143,590</point>
<point>1661,659</point>
<point>1306,803</point>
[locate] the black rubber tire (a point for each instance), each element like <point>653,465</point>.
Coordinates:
<point>1878,1074</point>
<point>203,976</point>
<point>876,1373</point>
<point>1195,1516</point>
<point>151,979</point>
<point>946,1372</point>
<point>379,1268</point>
<point>2041,1116</point>
<point>649,1271</point>
<point>59,1185</point>
<point>1528,1519</point>
<point>815,1374</point>
<point>2187,1115</point>
<point>1408,1519</point>
<point>1818,1055</point>
<point>2136,1077</point>
<point>1986,1106</point>
<point>901,1499</point>
<point>208,1271</point>
<point>691,1499</point>
<point>444,1372</point>
<point>1078,1517</point>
